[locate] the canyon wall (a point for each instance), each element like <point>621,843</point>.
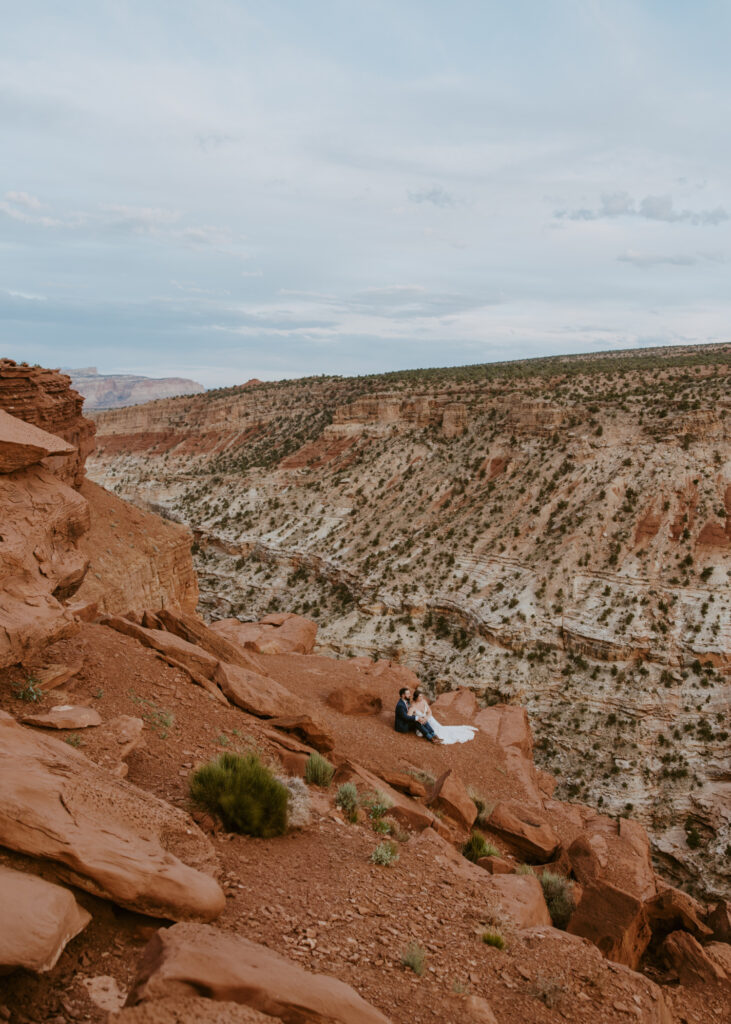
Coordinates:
<point>551,534</point>
<point>67,547</point>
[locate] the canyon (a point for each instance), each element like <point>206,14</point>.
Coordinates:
<point>553,533</point>
<point>323,584</point>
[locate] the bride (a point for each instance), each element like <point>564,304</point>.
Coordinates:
<point>445,733</point>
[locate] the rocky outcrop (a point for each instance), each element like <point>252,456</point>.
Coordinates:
<point>274,634</point>
<point>64,716</point>
<point>136,560</point>
<point>186,960</point>
<point>38,921</point>
<point>44,398</point>
<point>450,796</point>
<point>114,390</point>
<point>101,834</point>
<point>41,564</point>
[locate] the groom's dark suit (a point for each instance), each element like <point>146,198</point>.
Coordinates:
<point>404,722</point>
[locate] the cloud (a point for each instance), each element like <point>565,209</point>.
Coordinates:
<point>660,208</point>
<point>145,220</point>
<point>650,259</point>
<point>435,195</point>
<point>23,207</point>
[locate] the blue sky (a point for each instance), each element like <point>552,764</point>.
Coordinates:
<point>226,190</point>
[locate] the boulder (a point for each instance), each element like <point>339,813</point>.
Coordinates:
<point>253,692</point>
<point>475,1010</point>
<point>529,838</point>
<point>616,851</point>
<point>351,700</point>
<point>672,910</point>
<point>275,634</point>
<point>461,703</point>
<point>38,920</point>
<point>450,796</point>
<point>308,730</point>
<point>404,783</point>
<point>688,959</point>
<point>496,865</point>
<point>186,960</point>
<point>22,444</point>
<point>614,921</point>
<point>186,1009</point>
<point>52,676</point>
<point>65,716</point>
<point>406,811</point>
<point>719,920</point>
<point>507,726</point>
<point>522,899</point>
<point>102,834</point>
<point>195,631</point>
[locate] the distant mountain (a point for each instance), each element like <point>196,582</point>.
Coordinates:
<point>112,391</point>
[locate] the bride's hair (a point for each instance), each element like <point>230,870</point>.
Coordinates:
<point>417,693</point>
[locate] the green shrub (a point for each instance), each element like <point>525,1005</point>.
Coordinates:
<point>484,808</point>
<point>495,939</point>
<point>385,853</point>
<point>31,692</point>
<point>318,770</point>
<point>377,804</point>
<point>477,846</point>
<point>559,894</point>
<point>524,869</point>
<point>243,793</point>
<point>414,956</point>
<point>382,826</point>
<point>347,799</point>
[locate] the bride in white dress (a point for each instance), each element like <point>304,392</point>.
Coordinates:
<point>446,733</point>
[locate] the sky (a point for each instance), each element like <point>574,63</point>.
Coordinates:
<point>224,190</point>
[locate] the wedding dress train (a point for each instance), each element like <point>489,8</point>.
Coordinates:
<point>452,733</point>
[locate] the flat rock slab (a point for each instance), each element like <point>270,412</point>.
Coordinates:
<point>65,716</point>
<point>103,834</point>
<point>38,920</point>
<point>22,444</point>
<point>188,959</point>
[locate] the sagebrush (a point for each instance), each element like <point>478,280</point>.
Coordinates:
<point>243,793</point>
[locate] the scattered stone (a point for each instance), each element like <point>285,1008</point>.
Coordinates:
<point>65,716</point>
<point>354,701</point>
<point>185,1010</point>
<point>104,992</point>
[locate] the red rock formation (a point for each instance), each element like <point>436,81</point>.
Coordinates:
<point>45,399</point>
<point>189,959</point>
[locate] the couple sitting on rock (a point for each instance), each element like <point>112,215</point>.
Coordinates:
<point>414,715</point>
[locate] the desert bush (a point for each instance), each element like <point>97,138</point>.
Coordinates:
<point>414,957</point>
<point>559,894</point>
<point>477,846</point>
<point>524,869</point>
<point>377,804</point>
<point>243,793</point>
<point>493,938</point>
<point>298,805</point>
<point>347,799</point>
<point>31,691</point>
<point>386,853</point>
<point>318,770</point>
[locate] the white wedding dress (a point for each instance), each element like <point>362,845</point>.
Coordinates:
<point>452,733</point>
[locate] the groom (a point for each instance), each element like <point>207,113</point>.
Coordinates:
<point>406,721</point>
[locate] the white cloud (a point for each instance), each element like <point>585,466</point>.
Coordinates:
<point>621,204</point>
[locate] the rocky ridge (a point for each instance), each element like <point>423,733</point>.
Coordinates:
<point>552,533</point>
<point>114,390</point>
